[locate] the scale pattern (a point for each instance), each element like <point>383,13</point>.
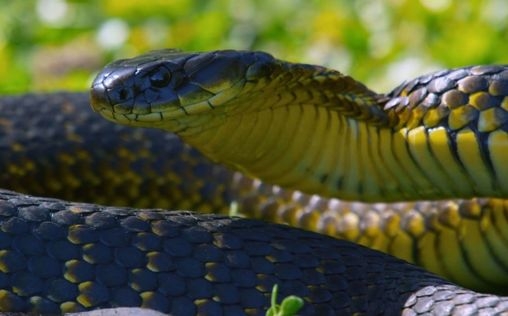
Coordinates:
<point>59,256</point>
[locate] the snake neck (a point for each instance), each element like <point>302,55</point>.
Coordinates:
<point>308,128</point>
<point>305,128</point>
<point>326,137</point>
<point>318,151</point>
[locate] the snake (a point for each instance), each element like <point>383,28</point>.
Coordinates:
<point>242,109</point>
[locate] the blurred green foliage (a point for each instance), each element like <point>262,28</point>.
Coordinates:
<point>60,44</point>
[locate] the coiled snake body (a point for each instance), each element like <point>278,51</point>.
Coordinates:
<point>438,136</point>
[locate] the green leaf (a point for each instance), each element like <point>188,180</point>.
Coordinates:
<point>291,305</point>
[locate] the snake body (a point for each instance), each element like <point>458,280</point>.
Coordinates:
<point>59,256</point>
<point>344,281</point>
<point>439,136</point>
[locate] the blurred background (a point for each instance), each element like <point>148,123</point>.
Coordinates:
<point>60,44</point>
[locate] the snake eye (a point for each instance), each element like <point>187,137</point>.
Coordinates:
<point>160,78</point>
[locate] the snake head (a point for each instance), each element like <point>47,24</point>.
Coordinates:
<point>165,86</point>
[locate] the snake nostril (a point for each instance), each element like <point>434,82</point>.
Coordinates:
<point>120,95</point>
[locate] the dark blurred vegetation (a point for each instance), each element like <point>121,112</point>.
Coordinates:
<point>60,44</point>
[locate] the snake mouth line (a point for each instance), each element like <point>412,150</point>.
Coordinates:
<point>131,118</point>
<point>154,113</point>
<point>174,113</point>
<point>150,120</point>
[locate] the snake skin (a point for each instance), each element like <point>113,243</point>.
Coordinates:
<point>350,280</point>
<point>62,256</point>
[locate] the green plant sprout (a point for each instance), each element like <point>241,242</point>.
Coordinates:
<point>288,307</point>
